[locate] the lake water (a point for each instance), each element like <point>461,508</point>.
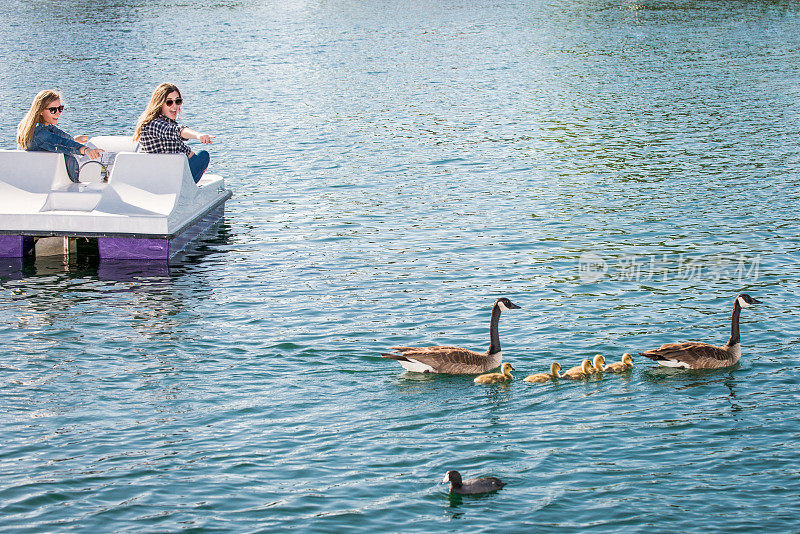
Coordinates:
<point>620,169</point>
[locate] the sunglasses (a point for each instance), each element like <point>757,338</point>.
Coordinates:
<point>55,110</point>
<point>178,101</point>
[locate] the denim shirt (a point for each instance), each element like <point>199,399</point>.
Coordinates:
<point>48,138</point>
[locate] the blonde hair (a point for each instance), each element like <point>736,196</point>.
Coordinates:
<point>153,109</point>
<point>28,124</point>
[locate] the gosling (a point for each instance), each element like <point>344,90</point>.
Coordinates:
<point>575,369</point>
<point>494,378</point>
<point>597,364</point>
<point>579,373</point>
<point>620,367</point>
<point>555,367</point>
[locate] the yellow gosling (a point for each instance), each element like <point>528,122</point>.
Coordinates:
<point>575,369</point>
<point>579,373</point>
<point>620,367</point>
<point>494,378</point>
<point>555,367</point>
<point>597,364</point>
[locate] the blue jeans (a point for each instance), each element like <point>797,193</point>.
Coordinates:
<point>73,168</point>
<point>198,164</point>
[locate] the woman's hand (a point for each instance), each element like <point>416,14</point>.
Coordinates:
<point>81,139</point>
<point>93,153</point>
<point>205,138</point>
<point>188,133</point>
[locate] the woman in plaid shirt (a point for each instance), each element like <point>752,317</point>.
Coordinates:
<point>159,133</point>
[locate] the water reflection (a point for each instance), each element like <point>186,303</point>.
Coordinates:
<point>123,320</point>
<point>455,500</point>
<point>56,298</point>
<point>729,383</point>
<point>133,271</point>
<point>212,241</point>
<point>11,269</point>
<point>689,377</point>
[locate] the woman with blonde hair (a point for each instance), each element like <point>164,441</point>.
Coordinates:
<point>159,133</point>
<point>37,131</point>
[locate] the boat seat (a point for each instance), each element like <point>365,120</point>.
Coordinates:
<point>74,197</point>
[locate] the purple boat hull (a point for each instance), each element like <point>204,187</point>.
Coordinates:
<point>15,246</point>
<point>130,247</point>
<point>148,248</point>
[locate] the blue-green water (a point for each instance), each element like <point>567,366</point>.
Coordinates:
<point>619,169</point>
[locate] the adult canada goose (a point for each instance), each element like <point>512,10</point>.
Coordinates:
<point>696,355</point>
<point>494,378</point>
<point>620,367</point>
<point>597,363</point>
<point>455,360</point>
<point>555,367</point>
<point>579,373</point>
<point>471,486</point>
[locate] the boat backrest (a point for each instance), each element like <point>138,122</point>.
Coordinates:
<point>115,143</point>
<point>152,182</point>
<point>156,173</point>
<point>33,172</point>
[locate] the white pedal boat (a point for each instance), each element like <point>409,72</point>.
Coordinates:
<point>150,208</point>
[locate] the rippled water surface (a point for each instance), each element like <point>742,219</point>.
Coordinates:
<point>620,169</point>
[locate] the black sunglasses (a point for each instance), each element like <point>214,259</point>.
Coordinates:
<point>178,101</point>
<point>54,109</point>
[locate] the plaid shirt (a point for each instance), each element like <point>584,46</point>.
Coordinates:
<point>163,136</point>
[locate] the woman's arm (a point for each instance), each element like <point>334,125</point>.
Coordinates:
<point>188,133</point>
<point>52,141</point>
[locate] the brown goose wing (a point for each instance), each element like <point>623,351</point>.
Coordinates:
<point>404,353</point>
<point>692,355</point>
<point>406,349</point>
<point>450,360</point>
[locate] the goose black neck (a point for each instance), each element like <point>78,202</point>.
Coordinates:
<point>494,333</point>
<point>737,308</point>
